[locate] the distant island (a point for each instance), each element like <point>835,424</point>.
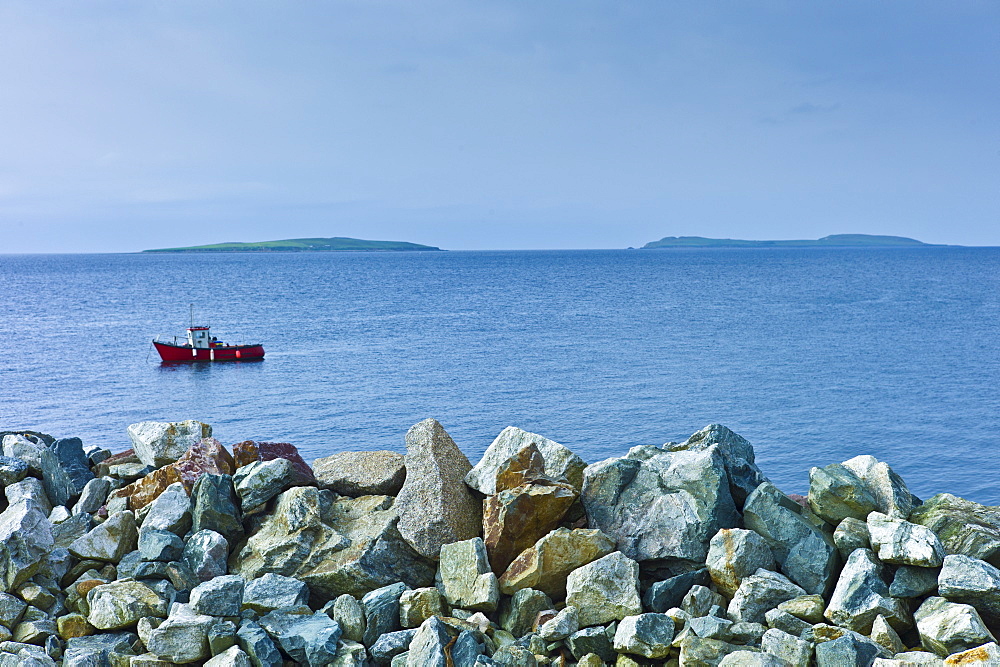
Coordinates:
<point>833,241</point>
<point>335,244</point>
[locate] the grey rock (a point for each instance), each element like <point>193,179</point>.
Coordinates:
<point>65,470</point>
<point>159,443</point>
<point>221,596</point>
<point>214,507</point>
<point>11,610</point>
<point>12,470</point>
<point>379,473</point>
<point>735,553</point>
<point>751,658</point>
<point>517,615</point>
<point>737,452</point>
<point>987,655</point>
<point>861,594</point>
<point>560,626</point>
<point>350,615</point>
<point>949,627</point>
<point>972,581</point>
<point>836,493</point>
<point>560,462</point>
<point>466,650</point>
<point>417,606</point>
<point>108,541</point>
<point>699,601</point>
<point>884,634</point>
<point>427,649</point>
<point>183,637</point>
<point>786,646</point>
<point>72,529</point>
<point>903,543</point>
<point>120,604</point>
<point>809,608</point>
<point>888,488</point>
<point>94,494</point>
<point>160,545</point>
<point>205,554</point>
<point>605,590</point>
<point>310,639</point>
<point>259,481</point>
<point>964,527</point>
<point>847,651</point>
<point>391,644</point>
<point>170,511</point>
<point>592,640</point>
<point>25,539</point>
<point>435,506</point>
<point>913,582</point>
<point>26,449</point>
<point>746,633</point>
<point>221,636</point>
<point>662,595</point>
<point>699,651</point>
<point>782,620</point>
<point>760,592</point>
<point>805,553</point>
<point>513,655</point>
<point>274,591</point>
<point>465,577</point>
<point>258,645</point>
<point>350,654</point>
<point>381,611</point>
<point>665,507</point>
<point>851,534</point>
<point>711,627</point>
<point>98,650</point>
<point>59,514</point>
<point>30,489</point>
<point>233,656</point>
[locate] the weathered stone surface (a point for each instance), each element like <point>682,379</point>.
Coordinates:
<point>120,604</point>
<point>29,489</point>
<point>427,649</point>
<point>392,644</point>
<point>710,627</point>
<point>517,614</point>
<point>214,507</point>
<point>65,470</point>
<point>782,620</point>
<point>699,601</point>
<point>913,582</point>
<point>11,610</point>
<point>735,553</point>
<point>159,443</point>
<point>350,654</point>
<point>249,451</point>
<point>805,553</point>
<point>751,658</point>
<point>94,494</point>
<point>888,488</point>
<point>560,462</point>
<point>259,481</point>
<point>205,554</point>
<point>851,534</point>
<point>108,541</point>
<point>26,448</point>
<point>99,649</point>
<point>434,505</point>
<point>273,591</point>
<point>786,646</point>
<point>861,594</point>
<point>465,577</point>
<point>221,596</point>
<point>949,627</point>
<point>381,611</point>
<point>605,590</point>
<point>972,581</point>
<point>699,651</point>
<point>12,470</point>
<point>258,645</point>
<point>560,626</point>
<point>986,655</point>
<point>648,635</point>
<point>350,615</point>
<point>847,650</point>
<point>836,493</point>
<point>205,457</point>
<point>964,527</point>
<point>416,606</point>
<point>809,608</point>
<point>737,452</point>
<point>74,625</point>
<point>594,640</point>
<point>545,565</point>
<point>25,538</point>
<point>379,473</point>
<point>233,656</point>
<point>903,543</point>
<point>665,507</point>
<point>760,592</point>
<point>910,659</point>
<point>170,511</point>
<point>309,639</point>
<point>886,635</point>
<point>662,595</point>
<point>160,545</point>
<point>183,637</point>
<point>514,519</point>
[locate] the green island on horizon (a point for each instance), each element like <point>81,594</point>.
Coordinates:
<point>832,241</point>
<point>334,244</point>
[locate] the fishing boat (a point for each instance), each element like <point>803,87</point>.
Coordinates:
<point>200,345</point>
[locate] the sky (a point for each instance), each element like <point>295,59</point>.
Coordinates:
<point>495,125</point>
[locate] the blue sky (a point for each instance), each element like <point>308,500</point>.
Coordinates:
<point>467,125</point>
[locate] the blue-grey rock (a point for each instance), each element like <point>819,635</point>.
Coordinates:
<point>171,510</point>
<point>108,541</point>
<point>12,470</point>
<point>274,591</point>
<point>836,493</point>
<point>259,481</point>
<point>258,645</point>
<point>310,640</point>
<point>699,601</point>
<point>214,507</point>
<point>27,448</point>
<point>205,554</point>
<point>94,495</point>
<point>30,489</point>
<point>861,594</point>
<point>972,581</point>
<point>664,507</point>
<point>160,545</point>
<point>900,542</point>
<point>592,640</point>
<point>760,592</point>
<point>804,552</point>
<point>233,656</point>
<point>128,564</point>
<point>648,635</point>
<point>427,648</point>
<point>914,582</point>
<point>517,615</point>
<point>851,534</point>
<point>25,539</point>
<point>66,532</point>
<point>786,646</point>
<point>65,470</point>
<point>183,637</point>
<point>964,527</point>
<point>466,650</point>
<point>391,644</point>
<point>147,570</point>
<point>97,650</point>
<point>11,610</point>
<point>662,595</point>
<point>381,611</point>
<point>711,627</point>
<point>782,620</point>
<point>221,596</point>
<point>350,615</point>
<point>847,651</point>
<point>221,636</point>
<point>737,452</point>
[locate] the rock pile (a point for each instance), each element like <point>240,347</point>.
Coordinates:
<point>180,551</point>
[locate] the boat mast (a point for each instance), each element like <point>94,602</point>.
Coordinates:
<point>192,313</point>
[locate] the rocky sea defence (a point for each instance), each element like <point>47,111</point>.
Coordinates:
<point>182,550</point>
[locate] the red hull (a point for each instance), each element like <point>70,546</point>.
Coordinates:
<point>221,353</point>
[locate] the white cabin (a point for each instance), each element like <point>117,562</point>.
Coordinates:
<point>198,338</point>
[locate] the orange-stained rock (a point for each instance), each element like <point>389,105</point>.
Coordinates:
<point>128,456</point>
<point>515,519</point>
<point>525,467</point>
<point>249,451</point>
<point>545,565</point>
<point>207,456</point>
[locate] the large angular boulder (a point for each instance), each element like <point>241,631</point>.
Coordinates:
<point>849,649</point>
<point>434,505</point>
<point>309,639</point>
<point>29,489</point>
<point>734,554</point>
<point>25,539</point>
<point>120,604</point>
<point>103,649</point>
<point>381,609</point>
<point>972,581</point>
<point>605,590</point>
<point>737,452</point>
<point>274,591</point>
<point>964,527</point>
<point>171,511</point>
<point>560,462</point>
<point>861,594</point>
<point>26,448</point>
<point>836,493</point>
<point>108,541</point>
<point>183,637</point>
<point>545,565</point>
<point>428,646</point>
<point>259,481</point>
<point>379,473</point>
<point>668,593</point>
<point>249,451</point>
<point>662,507</point>
<point>760,592</point>
<point>949,627</point>
<point>214,507</point>
<point>805,553</point>
<point>205,554</point>
<point>11,470</point>
<point>159,443</point>
<point>514,519</point>
<point>888,488</point>
<point>646,635</point>
<point>900,542</point>
<point>518,613</point>
<point>257,644</point>
<point>221,596</point>
<point>65,470</point>
<point>465,577</point>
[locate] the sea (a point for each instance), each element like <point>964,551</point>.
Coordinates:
<point>815,355</point>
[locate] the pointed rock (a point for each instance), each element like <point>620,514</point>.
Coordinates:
<point>888,488</point>
<point>514,519</point>
<point>159,443</point>
<point>545,565</point>
<point>949,627</point>
<point>560,462</point>
<point>836,493</point>
<point>25,539</point>
<point>861,594</point>
<point>964,527</point>
<point>605,590</point>
<point>972,581</point>
<point>65,470</point>
<point>737,452</point>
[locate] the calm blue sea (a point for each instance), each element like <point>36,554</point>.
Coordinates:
<point>815,355</point>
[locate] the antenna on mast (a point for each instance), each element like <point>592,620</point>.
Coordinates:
<point>192,314</point>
